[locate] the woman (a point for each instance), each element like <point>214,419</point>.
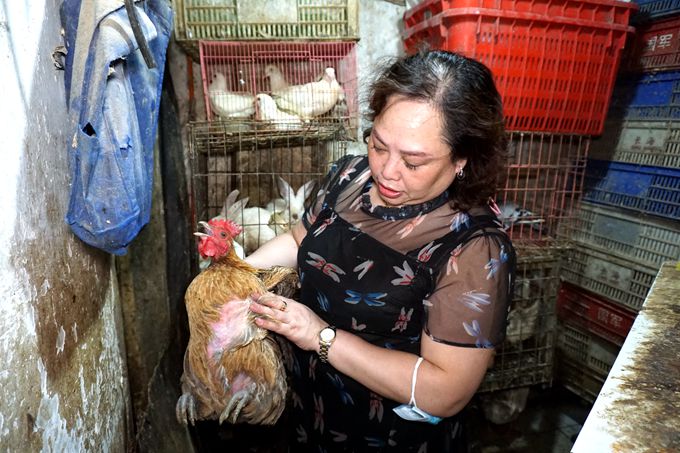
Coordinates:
<point>401,257</point>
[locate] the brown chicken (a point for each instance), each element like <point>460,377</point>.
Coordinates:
<point>233,369</point>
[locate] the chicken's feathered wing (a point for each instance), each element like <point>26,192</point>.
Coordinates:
<point>232,369</point>
<point>311,99</point>
<point>280,280</point>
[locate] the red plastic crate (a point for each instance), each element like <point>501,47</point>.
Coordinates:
<point>554,61</point>
<point>593,10</point>
<point>656,47</point>
<point>599,316</point>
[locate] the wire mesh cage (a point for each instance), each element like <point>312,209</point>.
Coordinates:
<point>285,85</point>
<point>526,356</point>
<point>265,19</point>
<point>542,187</point>
<point>274,172</point>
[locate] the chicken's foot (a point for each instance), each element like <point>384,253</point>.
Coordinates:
<point>237,401</point>
<point>186,405</point>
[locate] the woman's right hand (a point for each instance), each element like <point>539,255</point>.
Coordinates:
<point>291,319</point>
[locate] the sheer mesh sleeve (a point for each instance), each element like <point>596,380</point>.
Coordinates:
<point>470,303</point>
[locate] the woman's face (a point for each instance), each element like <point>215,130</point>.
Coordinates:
<point>409,161</point>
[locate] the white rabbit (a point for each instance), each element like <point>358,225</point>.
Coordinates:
<point>278,223</point>
<point>255,222</point>
<point>291,205</point>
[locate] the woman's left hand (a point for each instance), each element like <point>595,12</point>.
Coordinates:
<point>286,317</point>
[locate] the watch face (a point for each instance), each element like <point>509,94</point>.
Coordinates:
<point>327,334</point>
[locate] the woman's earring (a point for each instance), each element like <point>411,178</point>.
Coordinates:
<point>460,175</point>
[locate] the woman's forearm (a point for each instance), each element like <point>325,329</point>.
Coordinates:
<point>443,386</point>
<point>280,251</point>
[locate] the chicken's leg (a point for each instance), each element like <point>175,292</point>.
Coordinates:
<point>237,401</point>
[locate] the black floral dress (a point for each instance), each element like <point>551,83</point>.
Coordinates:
<point>357,275</point>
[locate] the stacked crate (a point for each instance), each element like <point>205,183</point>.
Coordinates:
<point>630,217</point>
<point>267,139</point>
<point>554,63</point>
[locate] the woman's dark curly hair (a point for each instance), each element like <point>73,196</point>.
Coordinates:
<point>463,91</point>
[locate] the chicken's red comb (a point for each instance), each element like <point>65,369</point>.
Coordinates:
<point>233,228</point>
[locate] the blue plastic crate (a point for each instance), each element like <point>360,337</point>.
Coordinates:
<point>658,89</point>
<point>649,96</point>
<point>641,188</point>
<point>654,9</point>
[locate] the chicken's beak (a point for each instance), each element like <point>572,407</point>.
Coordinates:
<point>206,227</point>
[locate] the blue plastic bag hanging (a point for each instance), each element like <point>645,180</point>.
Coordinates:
<point>113,99</point>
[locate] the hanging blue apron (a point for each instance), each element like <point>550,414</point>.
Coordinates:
<point>113,100</point>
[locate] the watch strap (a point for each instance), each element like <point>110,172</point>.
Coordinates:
<point>324,346</point>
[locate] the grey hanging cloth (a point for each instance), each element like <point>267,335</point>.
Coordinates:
<point>113,98</point>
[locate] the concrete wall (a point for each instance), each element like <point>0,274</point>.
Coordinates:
<point>63,373</point>
<point>380,26</point>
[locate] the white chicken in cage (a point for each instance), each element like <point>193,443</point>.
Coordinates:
<point>228,104</point>
<point>267,110</point>
<point>311,99</point>
<point>277,81</point>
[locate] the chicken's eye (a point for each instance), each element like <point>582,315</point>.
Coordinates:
<point>223,235</point>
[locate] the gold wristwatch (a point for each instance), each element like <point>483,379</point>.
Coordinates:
<point>326,339</point>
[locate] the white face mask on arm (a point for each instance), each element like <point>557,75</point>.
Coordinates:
<point>411,411</point>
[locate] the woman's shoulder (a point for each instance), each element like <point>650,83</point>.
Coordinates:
<point>451,231</point>
<point>348,166</point>
<point>349,171</point>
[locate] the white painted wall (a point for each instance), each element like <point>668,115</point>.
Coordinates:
<point>380,27</point>
<point>62,372</point>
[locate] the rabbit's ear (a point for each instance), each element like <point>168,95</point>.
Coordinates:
<point>284,189</point>
<point>306,190</point>
<point>228,202</point>
<point>236,208</point>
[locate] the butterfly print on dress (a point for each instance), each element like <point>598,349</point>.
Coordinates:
<point>325,224</point>
<point>363,268</point>
<point>318,413</point>
<point>426,252</point>
<point>402,321</point>
<point>405,274</point>
<point>410,225</point>
<point>344,175</point>
<point>459,220</point>
<point>340,386</point>
<point>328,269</point>
<point>324,303</point>
<point>474,300</point>
<point>452,264</point>
<point>474,330</point>
<point>494,264</point>
<point>376,407</point>
<point>370,299</point>
<point>356,325</point>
